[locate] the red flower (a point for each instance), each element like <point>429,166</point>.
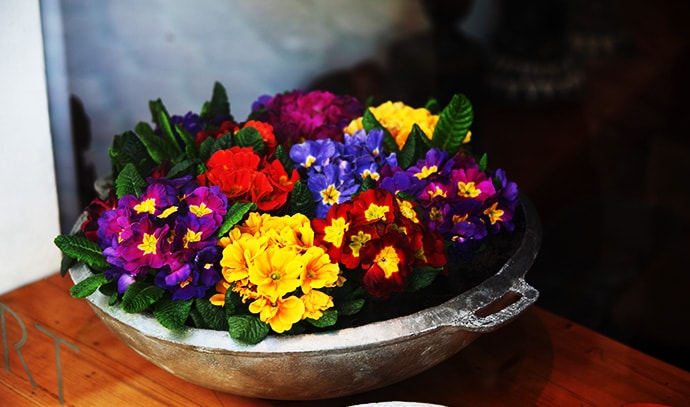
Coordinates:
<point>242,175</point>
<point>93,212</point>
<point>267,135</point>
<point>388,264</point>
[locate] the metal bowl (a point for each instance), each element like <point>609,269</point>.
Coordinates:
<point>337,363</point>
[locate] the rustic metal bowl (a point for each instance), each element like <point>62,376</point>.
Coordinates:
<point>337,363</point>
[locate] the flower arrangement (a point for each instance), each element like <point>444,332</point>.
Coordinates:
<point>307,215</point>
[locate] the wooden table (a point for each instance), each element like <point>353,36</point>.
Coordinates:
<point>56,351</point>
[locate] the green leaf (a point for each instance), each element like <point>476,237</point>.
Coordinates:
<point>139,296</point>
<point>213,316</point>
<point>185,167</point>
<point>483,162</point>
<point>191,149</point>
<point>162,119</point>
<point>234,215</point>
<point>82,249</point>
<point>351,307</point>
<point>302,201</point>
<point>369,122</point>
<point>247,328</point>
<point>422,277</point>
<point>250,137</point>
<point>211,145</point>
<point>128,148</point>
<point>88,286</point>
<point>65,263</point>
<point>172,314</point>
<point>206,149</point>
<point>367,183</point>
<point>284,158</point>
<point>453,124</point>
<point>329,318</point>
<point>432,106</point>
<point>156,146</point>
<point>415,148</point>
<point>218,105</point>
<point>129,182</point>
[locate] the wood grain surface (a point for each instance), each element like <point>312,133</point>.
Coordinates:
<point>56,351</point>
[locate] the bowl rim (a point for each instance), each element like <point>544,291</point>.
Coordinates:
<point>456,314</point>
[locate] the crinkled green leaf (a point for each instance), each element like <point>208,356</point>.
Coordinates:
<point>206,149</point>
<point>218,105</point>
<point>302,201</point>
<point>129,182</point>
<point>234,215</point>
<point>156,146</point>
<point>453,124</point>
<point>139,296</point>
<point>250,137</point>
<point>415,148</point>
<point>128,148</point>
<point>422,277</point>
<point>83,250</point>
<point>367,183</point>
<point>162,119</point>
<point>190,147</point>
<point>88,286</point>
<point>172,314</point>
<point>247,328</point>
<point>65,264</point>
<point>329,318</point>
<point>185,167</point>
<point>284,158</point>
<point>351,307</point>
<point>212,316</point>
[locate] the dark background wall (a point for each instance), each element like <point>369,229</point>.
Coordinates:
<point>585,105</point>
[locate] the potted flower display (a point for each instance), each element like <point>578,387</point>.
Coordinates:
<point>316,234</point>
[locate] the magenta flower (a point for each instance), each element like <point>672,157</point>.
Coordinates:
<point>297,116</point>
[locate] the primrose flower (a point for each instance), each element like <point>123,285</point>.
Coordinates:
<point>398,118</point>
<point>297,116</point>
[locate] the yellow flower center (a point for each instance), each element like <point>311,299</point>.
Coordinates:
<point>437,191</point>
<point>148,244</point>
<point>407,210</point>
<point>468,190</point>
<point>167,212</point>
<point>388,260</point>
<point>148,206</point>
<point>494,213</point>
<point>334,232</point>
<point>358,241</point>
<point>309,161</point>
<point>200,210</point>
<point>330,195</point>
<point>190,237</point>
<point>375,212</point>
<point>426,171</point>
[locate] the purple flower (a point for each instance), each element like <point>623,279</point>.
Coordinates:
<point>314,155</point>
<point>335,185</point>
<point>192,279</point>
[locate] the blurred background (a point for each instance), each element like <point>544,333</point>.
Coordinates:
<point>582,102</point>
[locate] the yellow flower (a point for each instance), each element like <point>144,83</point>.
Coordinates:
<point>398,119</point>
<point>276,272</point>
<point>318,271</point>
<point>315,303</point>
<point>280,314</point>
<point>238,255</point>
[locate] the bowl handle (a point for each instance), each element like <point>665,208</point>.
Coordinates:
<point>489,316</point>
